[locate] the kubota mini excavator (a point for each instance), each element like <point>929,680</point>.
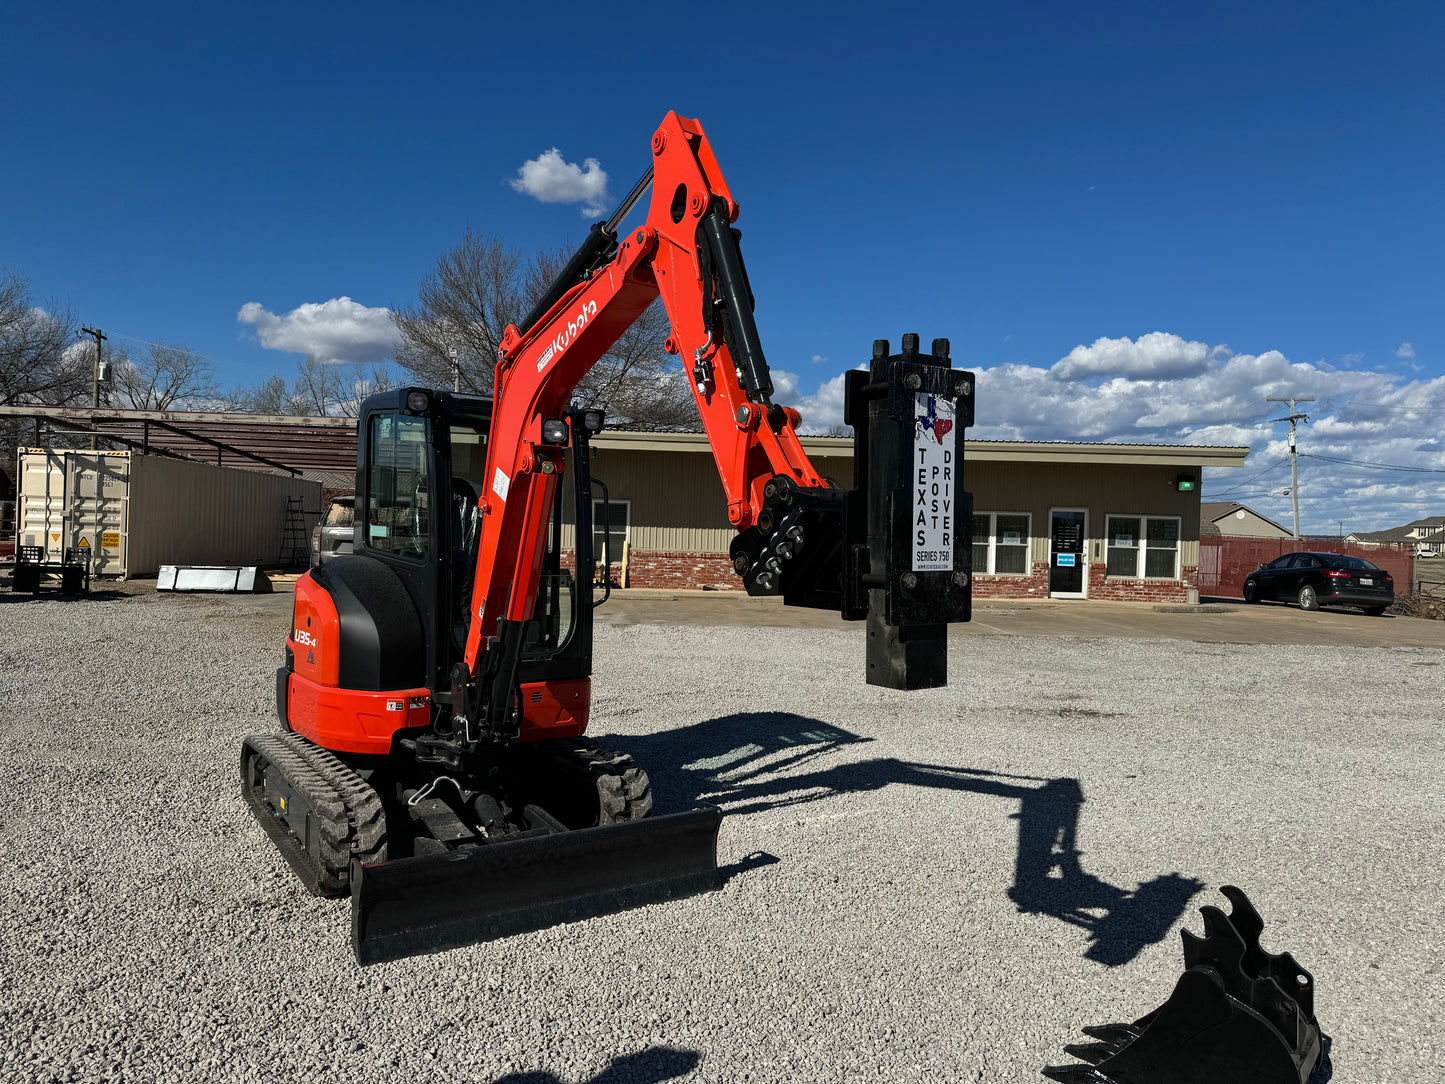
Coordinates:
<point>436,684</point>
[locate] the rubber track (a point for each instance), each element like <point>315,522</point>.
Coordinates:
<point>624,793</point>
<point>351,818</point>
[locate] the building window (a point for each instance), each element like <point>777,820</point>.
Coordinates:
<point>1143,547</point>
<point>1001,543</point>
<point>609,519</point>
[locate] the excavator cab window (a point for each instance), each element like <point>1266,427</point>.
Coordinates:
<point>398,513</point>
<point>552,617</point>
<point>467,440</point>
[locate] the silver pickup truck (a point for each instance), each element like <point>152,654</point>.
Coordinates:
<point>334,534</point>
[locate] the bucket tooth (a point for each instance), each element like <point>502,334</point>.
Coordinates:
<point>1114,1034</point>
<point>1093,1053</point>
<point>1237,1015</point>
<point>1072,1074</point>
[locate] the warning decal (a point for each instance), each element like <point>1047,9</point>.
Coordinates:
<point>933,474</point>
<point>85,543</point>
<point>110,539</point>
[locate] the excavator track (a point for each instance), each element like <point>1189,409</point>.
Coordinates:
<point>624,792</point>
<point>317,811</point>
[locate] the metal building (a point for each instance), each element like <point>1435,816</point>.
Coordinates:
<point>135,512</point>
<point>1051,519</point>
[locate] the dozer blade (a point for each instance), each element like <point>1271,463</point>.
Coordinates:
<point>1238,1015</point>
<point>418,905</point>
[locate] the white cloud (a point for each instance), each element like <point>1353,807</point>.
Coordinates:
<point>1406,351</point>
<point>821,411</point>
<point>551,179</point>
<point>1154,355</point>
<point>337,330</point>
<point>1162,389</point>
<point>820,359</point>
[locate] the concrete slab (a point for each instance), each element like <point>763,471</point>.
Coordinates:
<point>1224,621</point>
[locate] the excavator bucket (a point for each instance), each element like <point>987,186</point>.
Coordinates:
<point>1238,1015</point>
<point>418,905</point>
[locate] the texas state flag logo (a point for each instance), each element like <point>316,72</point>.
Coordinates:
<point>938,419</point>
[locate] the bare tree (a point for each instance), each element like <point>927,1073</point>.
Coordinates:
<point>169,377</point>
<point>39,362</point>
<point>35,364</point>
<point>479,287</point>
<point>271,396</point>
<point>320,389</point>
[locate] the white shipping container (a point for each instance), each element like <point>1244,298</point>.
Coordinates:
<point>137,512</point>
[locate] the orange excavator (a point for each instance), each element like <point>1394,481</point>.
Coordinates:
<point>436,688</point>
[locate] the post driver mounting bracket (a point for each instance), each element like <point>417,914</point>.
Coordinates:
<point>908,522</point>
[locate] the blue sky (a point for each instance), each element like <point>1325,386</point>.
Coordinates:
<point>1136,223</point>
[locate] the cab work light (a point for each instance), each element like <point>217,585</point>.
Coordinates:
<point>554,431</point>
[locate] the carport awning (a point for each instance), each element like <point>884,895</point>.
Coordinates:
<point>298,445</point>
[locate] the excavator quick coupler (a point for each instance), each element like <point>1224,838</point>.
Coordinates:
<point>1238,1015</point>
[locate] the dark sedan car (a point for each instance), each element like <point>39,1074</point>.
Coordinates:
<point>1316,579</point>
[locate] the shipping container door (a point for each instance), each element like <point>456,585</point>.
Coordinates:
<point>99,487</point>
<point>40,518</point>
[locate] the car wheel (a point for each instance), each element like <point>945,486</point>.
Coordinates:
<point>1374,611</point>
<point>1251,591</point>
<point>1308,600</point>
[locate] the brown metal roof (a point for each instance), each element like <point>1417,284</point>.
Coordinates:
<point>252,441</point>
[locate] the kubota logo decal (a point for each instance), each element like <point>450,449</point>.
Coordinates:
<point>571,331</point>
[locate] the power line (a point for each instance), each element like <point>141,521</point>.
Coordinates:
<point>1253,477</point>
<point>1375,466</point>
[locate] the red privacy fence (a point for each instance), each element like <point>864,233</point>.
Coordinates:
<point>1224,562</point>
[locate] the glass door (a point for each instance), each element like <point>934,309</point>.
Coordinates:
<point>1068,533</point>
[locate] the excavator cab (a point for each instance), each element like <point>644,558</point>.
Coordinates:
<point>422,459</point>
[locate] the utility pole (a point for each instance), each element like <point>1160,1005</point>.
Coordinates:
<point>100,337</point>
<point>1294,416</point>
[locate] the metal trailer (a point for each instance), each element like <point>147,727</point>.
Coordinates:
<point>136,512</point>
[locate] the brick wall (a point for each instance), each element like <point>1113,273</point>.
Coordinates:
<point>690,571</point>
<point>1118,589</point>
<point>1034,585</point>
<point>713,570</point>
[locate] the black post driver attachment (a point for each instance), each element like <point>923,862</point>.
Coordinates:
<point>897,549</point>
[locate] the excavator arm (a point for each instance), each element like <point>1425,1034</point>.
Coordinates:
<point>799,535</point>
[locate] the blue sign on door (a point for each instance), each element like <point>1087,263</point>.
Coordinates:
<point>1066,560</point>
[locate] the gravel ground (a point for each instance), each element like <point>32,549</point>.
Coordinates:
<point>904,898</point>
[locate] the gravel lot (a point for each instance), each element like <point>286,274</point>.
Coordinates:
<point>903,900</point>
